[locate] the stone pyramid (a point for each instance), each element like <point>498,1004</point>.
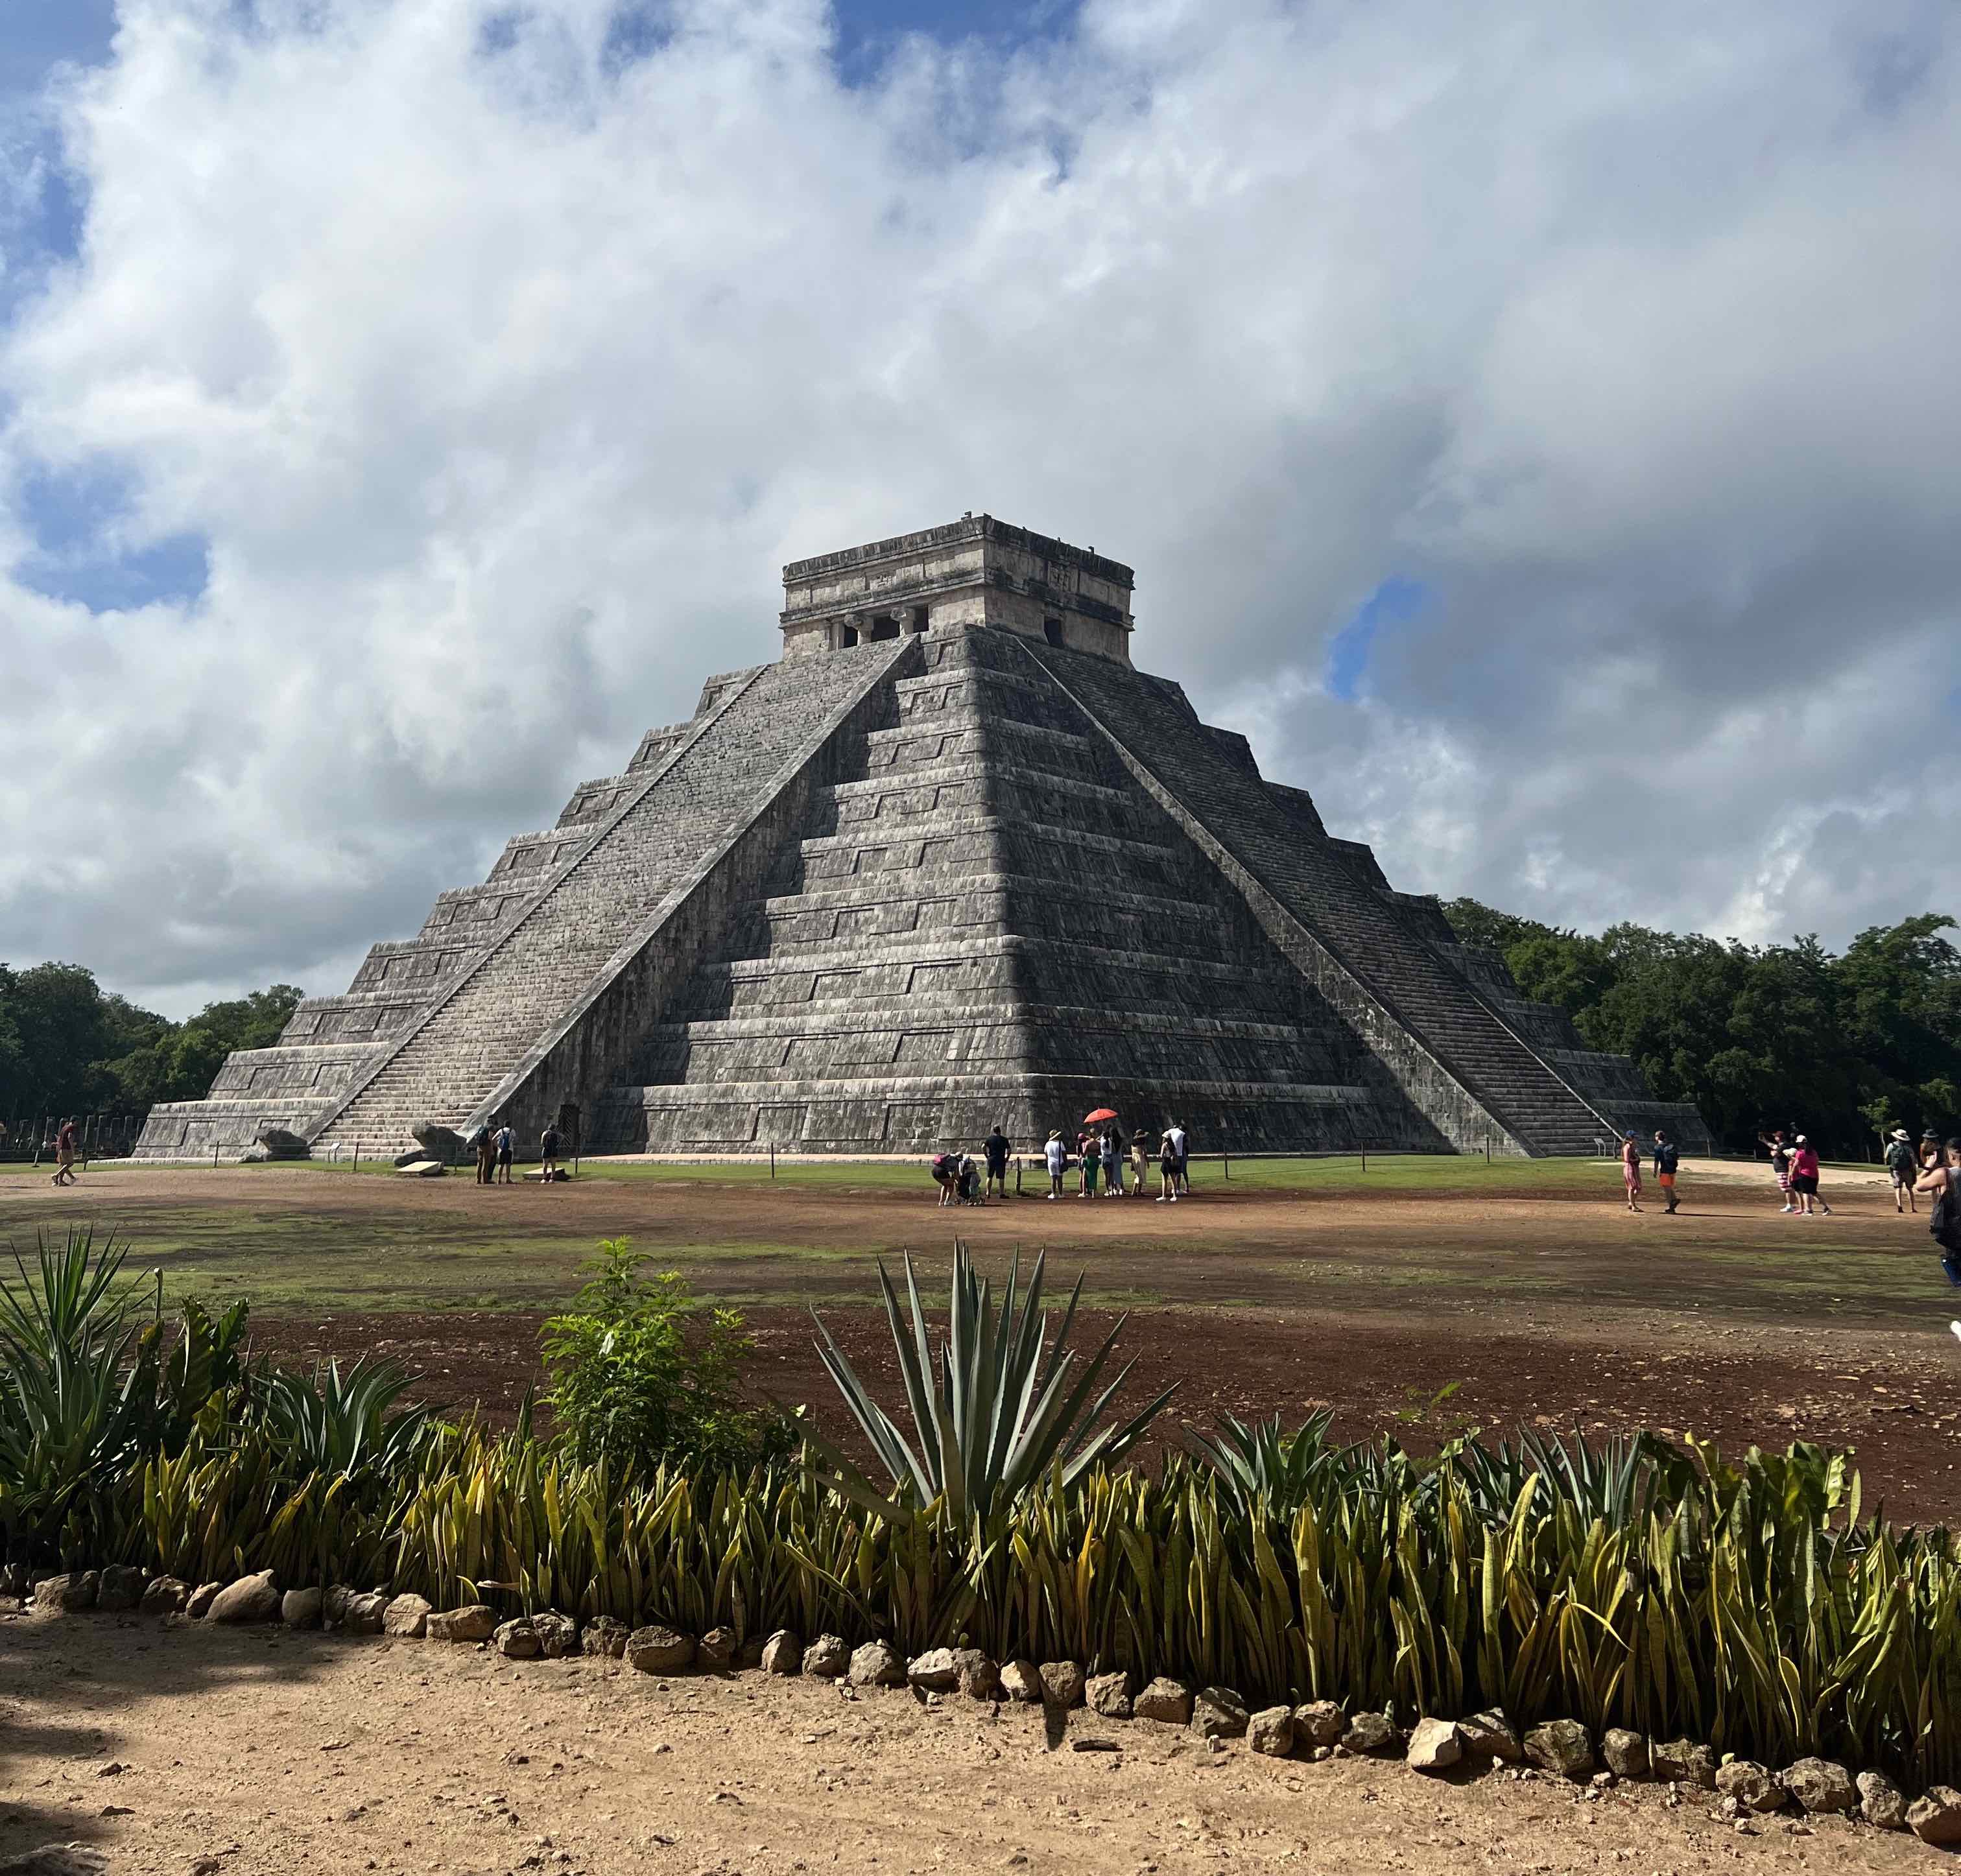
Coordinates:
<point>951,861</point>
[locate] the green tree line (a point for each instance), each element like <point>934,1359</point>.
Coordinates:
<point>68,1046</point>
<point>1846,1044</point>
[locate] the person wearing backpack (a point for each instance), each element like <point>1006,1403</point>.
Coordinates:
<point>1667,1157</point>
<point>946,1175</point>
<point>1943,1184</point>
<point>1903,1168</point>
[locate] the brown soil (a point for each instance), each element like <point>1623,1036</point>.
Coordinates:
<point>1378,1372</point>
<point>244,1752</point>
<point>1552,1308</point>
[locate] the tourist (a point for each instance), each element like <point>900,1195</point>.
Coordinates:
<point>1167,1171</point>
<point>1113,1162</point>
<point>507,1148</point>
<point>1933,1156</point>
<point>1144,1150</point>
<point>946,1176</point>
<point>1182,1147</point>
<point>1057,1157</point>
<point>969,1182</point>
<point>486,1148</point>
<point>1631,1171</point>
<point>1942,1183</point>
<point>1091,1153</point>
<point>1903,1167</point>
<point>65,1154</point>
<point>1667,1157</point>
<point>1780,1164</point>
<point>548,1144</point>
<point>996,1149</point>
<point>1804,1179</point>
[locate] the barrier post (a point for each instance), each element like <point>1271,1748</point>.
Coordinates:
<point>772,1159</point>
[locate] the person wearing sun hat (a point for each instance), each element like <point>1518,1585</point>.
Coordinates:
<point>1902,1168</point>
<point>1057,1157</point>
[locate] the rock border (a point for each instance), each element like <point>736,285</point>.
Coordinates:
<point>1560,1750</point>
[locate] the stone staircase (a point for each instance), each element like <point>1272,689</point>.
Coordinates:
<point>1395,979</point>
<point>991,921</point>
<point>609,884</point>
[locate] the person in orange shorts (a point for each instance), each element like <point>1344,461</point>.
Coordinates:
<point>1667,1157</point>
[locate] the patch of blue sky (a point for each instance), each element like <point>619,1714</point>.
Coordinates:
<point>868,31</point>
<point>37,37</point>
<point>1350,651</point>
<point>79,556</point>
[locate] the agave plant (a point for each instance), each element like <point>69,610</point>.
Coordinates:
<point>338,1424</point>
<point>1003,1405</point>
<point>70,1303</point>
<point>74,1410</point>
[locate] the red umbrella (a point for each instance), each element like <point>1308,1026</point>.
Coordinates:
<point>1101,1114</point>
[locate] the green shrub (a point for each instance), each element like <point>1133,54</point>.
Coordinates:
<point>640,1373</point>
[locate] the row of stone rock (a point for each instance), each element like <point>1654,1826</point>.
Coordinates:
<point>1320,1729</point>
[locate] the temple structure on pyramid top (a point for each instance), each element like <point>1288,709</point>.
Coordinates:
<point>952,861</point>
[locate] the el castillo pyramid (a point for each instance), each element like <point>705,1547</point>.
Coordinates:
<point>952,859</point>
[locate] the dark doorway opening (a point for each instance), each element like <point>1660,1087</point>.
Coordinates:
<point>847,636</point>
<point>884,628</point>
<point>1052,631</point>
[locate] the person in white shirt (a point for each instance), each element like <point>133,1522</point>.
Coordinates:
<point>1057,1159</point>
<point>1180,1146</point>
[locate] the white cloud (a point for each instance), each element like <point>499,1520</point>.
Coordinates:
<point>499,382</point>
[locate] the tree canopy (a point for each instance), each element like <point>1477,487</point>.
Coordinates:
<point>67,1046</point>
<point>1844,1044</point>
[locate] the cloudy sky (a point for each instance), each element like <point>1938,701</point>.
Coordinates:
<point>1535,426</point>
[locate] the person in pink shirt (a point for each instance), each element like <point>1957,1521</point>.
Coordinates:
<point>1804,1180</point>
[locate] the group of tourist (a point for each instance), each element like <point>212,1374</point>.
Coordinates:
<point>1099,1155</point>
<point>494,1145</point>
<point>1908,1166</point>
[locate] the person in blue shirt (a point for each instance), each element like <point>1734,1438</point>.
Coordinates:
<point>1667,1157</point>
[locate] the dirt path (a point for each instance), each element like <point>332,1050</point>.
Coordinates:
<point>247,1751</point>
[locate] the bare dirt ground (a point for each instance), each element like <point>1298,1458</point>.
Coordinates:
<point>247,1751</point>
<point>1532,1289</point>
